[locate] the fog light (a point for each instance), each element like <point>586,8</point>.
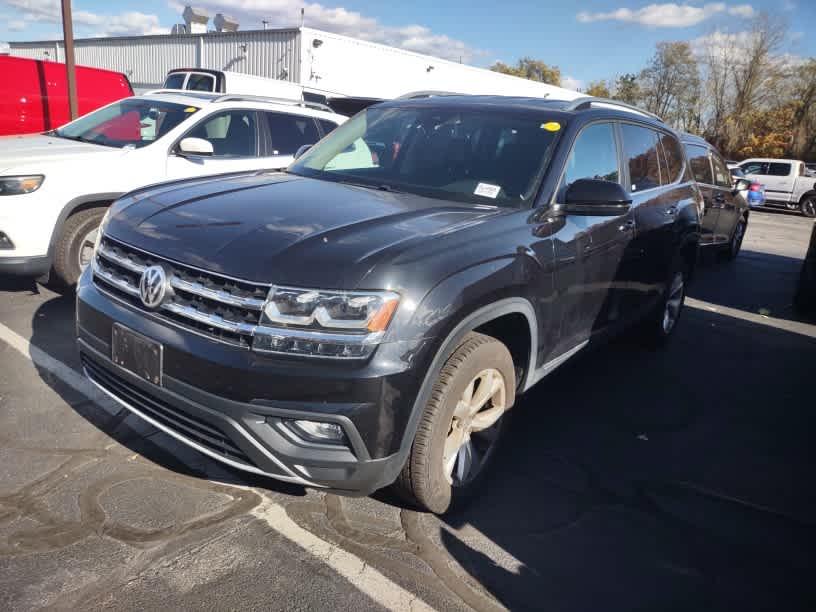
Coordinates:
<point>318,431</point>
<point>5,242</point>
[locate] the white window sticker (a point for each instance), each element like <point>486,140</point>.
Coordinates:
<point>487,190</point>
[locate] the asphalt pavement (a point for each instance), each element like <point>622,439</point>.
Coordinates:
<point>681,479</point>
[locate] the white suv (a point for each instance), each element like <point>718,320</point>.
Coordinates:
<point>55,187</point>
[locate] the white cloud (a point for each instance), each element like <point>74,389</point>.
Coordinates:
<point>286,13</point>
<point>568,82</point>
<point>17,25</point>
<point>48,11</point>
<point>668,15</point>
<point>734,47</point>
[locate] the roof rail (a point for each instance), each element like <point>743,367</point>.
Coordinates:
<point>290,101</point>
<point>427,94</point>
<point>243,98</point>
<point>587,102</point>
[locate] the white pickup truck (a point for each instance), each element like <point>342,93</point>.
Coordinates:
<point>787,182</point>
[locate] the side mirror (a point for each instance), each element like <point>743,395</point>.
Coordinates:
<point>195,146</point>
<point>596,197</point>
<point>741,184</point>
<point>302,149</point>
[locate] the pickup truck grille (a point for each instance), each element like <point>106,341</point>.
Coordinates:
<point>221,308</point>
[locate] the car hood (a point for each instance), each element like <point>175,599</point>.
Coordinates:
<point>35,151</point>
<point>281,228</point>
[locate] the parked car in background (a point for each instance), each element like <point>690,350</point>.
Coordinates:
<point>724,220</point>
<point>786,183</point>
<point>369,316</point>
<point>754,194</point>
<point>34,93</point>
<point>55,187</point>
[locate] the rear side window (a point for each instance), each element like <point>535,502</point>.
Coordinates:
<point>327,125</point>
<point>594,155</point>
<point>287,133</point>
<point>640,155</point>
<point>700,166</point>
<point>201,82</point>
<point>755,168</point>
<point>777,169</point>
<point>722,177</point>
<point>673,156</point>
<point>175,81</point>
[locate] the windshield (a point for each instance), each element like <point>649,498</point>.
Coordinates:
<point>132,122</point>
<point>493,157</point>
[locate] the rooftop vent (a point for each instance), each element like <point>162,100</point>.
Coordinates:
<point>195,20</point>
<point>179,28</point>
<point>225,23</point>
<point>5,48</point>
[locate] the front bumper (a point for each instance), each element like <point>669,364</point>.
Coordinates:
<point>229,403</point>
<point>25,266</point>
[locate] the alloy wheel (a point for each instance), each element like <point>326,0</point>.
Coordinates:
<point>86,248</point>
<point>673,303</point>
<point>474,427</point>
<point>736,239</point>
<point>809,207</point>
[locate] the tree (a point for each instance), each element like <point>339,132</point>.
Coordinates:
<point>627,89</point>
<point>671,84</point>
<point>599,89</point>
<point>533,69</point>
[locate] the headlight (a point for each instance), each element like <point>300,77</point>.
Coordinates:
<point>17,185</point>
<point>341,324</point>
<point>100,231</point>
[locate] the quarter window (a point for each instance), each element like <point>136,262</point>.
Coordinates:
<point>232,134</point>
<point>594,155</point>
<point>288,133</point>
<point>174,81</point>
<point>700,166</point>
<point>722,177</point>
<point>640,154</point>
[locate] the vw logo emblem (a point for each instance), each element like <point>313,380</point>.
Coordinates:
<point>153,286</point>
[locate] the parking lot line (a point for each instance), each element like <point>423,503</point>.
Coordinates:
<point>759,319</point>
<point>365,578</point>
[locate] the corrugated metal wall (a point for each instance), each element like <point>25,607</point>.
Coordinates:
<point>146,59</point>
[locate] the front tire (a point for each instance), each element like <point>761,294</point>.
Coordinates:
<point>460,427</point>
<point>75,245</point>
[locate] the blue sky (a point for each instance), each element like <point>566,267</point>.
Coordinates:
<point>587,40</point>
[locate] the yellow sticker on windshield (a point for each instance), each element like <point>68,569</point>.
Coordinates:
<point>190,109</point>
<point>551,126</point>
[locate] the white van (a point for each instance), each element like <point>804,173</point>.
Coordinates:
<point>224,81</point>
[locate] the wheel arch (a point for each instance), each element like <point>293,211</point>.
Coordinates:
<point>96,200</point>
<point>504,312</point>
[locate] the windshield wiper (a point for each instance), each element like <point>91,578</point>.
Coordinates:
<point>375,186</point>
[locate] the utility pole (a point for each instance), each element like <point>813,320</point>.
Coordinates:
<point>68,37</point>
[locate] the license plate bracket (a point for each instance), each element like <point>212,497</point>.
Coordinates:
<point>137,354</point>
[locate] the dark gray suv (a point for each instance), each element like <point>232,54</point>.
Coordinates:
<point>369,316</point>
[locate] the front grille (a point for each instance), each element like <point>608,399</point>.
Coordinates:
<point>219,307</point>
<point>187,425</point>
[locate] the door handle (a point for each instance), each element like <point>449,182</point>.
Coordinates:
<point>625,227</point>
<point>671,211</point>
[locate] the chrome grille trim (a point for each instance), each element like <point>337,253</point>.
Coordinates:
<point>190,287</point>
<point>244,329</point>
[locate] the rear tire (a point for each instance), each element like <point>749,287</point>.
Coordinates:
<point>735,244</point>
<point>657,328</point>
<point>456,440</point>
<point>808,206</point>
<point>74,245</point>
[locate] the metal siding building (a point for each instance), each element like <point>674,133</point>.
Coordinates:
<point>146,59</point>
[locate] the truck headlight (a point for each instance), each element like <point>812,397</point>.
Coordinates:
<point>18,185</point>
<point>341,324</point>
